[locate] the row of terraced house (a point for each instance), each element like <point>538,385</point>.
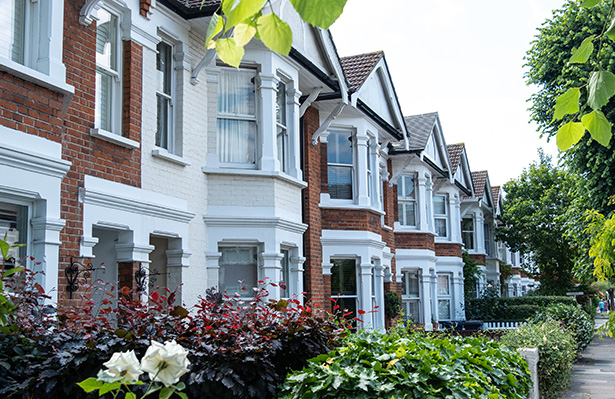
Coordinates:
<point>124,145</point>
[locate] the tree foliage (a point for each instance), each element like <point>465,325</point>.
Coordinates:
<point>563,96</point>
<point>236,22</point>
<point>533,222</point>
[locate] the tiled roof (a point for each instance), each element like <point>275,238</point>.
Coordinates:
<point>358,67</point>
<point>419,129</point>
<point>479,179</point>
<point>495,190</point>
<point>197,3</point>
<point>454,155</point>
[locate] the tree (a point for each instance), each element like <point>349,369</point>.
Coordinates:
<point>236,22</point>
<point>551,70</point>
<point>533,223</point>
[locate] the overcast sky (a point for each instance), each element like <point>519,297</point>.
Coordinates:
<point>464,59</point>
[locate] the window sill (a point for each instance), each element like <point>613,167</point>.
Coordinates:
<point>349,206</point>
<point>167,156</point>
<point>36,77</point>
<point>254,172</point>
<point>398,228</point>
<point>114,138</point>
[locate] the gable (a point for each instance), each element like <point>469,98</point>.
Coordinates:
<point>433,149</point>
<point>374,94</point>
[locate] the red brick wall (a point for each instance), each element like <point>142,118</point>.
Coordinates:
<point>415,241</point>
<point>29,108</point>
<point>448,250</point>
<point>480,259</point>
<point>312,170</point>
<point>351,219</point>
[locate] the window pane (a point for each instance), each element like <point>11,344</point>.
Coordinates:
<point>340,182</point>
<point>104,94</point>
<point>14,225</point>
<point>162,134</point>
<point>443,286</point>
<point>280,104</point>
<point>14,28</point>
<point>441,227</point>
<point>468,239</point>
<point>236,141</point>
<point>343,277</point>
<point>285,263</point>
<point>164,67</point>
<point>411,311</point>
<point>106,40</point>
<point>439,205</point>
<point>413,284</point>
<point>444,309</point>
<point>339,147</point>
<point>236,92</point>
<point>281,144</point>
<point>409,214</point>
<point>408,190</point>
<point>467,224</point>
<point>238,269</point>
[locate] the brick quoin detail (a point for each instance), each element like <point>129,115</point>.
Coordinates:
<point>351,219</point>
<point>480,259</point>
<point>415,241</point>
<point>311,165</point>
<point>448,250</point>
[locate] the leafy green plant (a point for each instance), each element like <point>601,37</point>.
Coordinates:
<point>572,318</point>
<point>392,304</point>
<point>411,365</point>
<point>471,276</point>
<point>556,349</point>
<point>499,308</point>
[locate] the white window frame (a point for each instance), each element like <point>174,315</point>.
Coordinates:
<point>241,117</point>
<point>286,273</point>
<point>351,166</point>
<point>445,297</point>
<point>248,293</point>
<point>282,126</point>
<point>168,143</point>
<point>21,252</point>
<point>442,216</point>
<point>115,98</point>
<point>402,200</point>
<point>408,297</point>
<point>356,297</point>
<point>471,233</point>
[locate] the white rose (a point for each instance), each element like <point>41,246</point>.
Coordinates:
<point>165,363</point>
<point>123,366</point>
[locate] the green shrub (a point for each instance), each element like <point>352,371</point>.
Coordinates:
<point>556,349</point>
<point>412,365</point>
<point>573,318</point>
<point>392,304</point>
<point>494,308</point>
<point>522,312</point>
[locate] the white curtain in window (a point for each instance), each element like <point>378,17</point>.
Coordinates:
<point>236,116</point>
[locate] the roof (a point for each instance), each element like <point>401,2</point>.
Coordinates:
<point>197,3</point>
<point>495,191</point>
<point>419,129</point>
<point>479,180</point>
<point>358,67</point>
<point>454,155</point>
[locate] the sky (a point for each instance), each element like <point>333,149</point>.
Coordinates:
<point>464,59</point>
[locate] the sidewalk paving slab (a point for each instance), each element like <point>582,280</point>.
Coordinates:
<point>593,374</point>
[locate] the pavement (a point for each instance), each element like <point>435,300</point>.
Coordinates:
<point>593,373</point>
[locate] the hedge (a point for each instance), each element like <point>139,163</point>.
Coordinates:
<point>511,308</point>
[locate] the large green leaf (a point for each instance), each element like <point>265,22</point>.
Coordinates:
<point>243,33</point>
<point>215,26</point>
<point>237,11</point>
<point>601,88</point>
<point>611,31</point>
<point>590,3</point>
<point>581,54</point>
<point>275,33</point>
<point>91,384</point>
<point>229,52</point>
<point>599,127</point>
<point>320,13</point>
<point>567,103</point>
<point>569,134</point>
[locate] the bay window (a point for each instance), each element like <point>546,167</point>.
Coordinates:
<point>410,296</point>
<point>108,73</point>
<point>14,228</point>
<point>406,200</point>
<point>340,161</point>
<point>440,212</point>
<point>467,232</point>
<point>236,116</point>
